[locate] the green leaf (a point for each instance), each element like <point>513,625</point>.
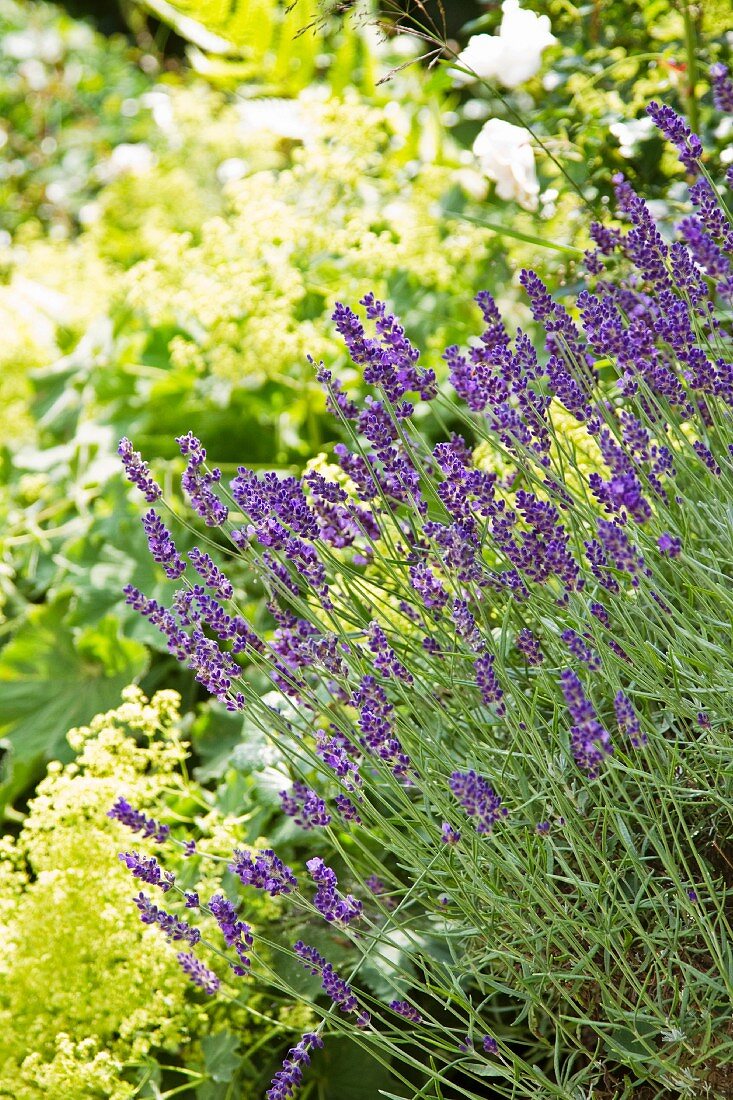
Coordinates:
<point>53,677</point>
<point>221,1055</point>
<point>218,25</point>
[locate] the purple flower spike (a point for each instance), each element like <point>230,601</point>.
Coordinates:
<point>579,648</point>
<point>197,482</point>
<point>333,986</point>
<point>628,721</point>
<point>589,740</point>
<point>332,906</point>
<point>478,799</point>
<point>529,647</point>
<point>386,660</point>
<point>449,835</point>
<point>375,723</point>
<point>210,574</point>
<point>236,933</point>
<point>147,870</point>
<point>135,820</point>
<point>404,1008</point>
<point>347,809</point>
<point>290,1077</point>
<point>199,974</point>
<point>676,130</point>
<point>488,683</point>
<point>265,872</point>
<point>722,88</point>
<point>161,545</point>
<point>490,1044</point>
<point>306,808</point>
<point>173,928</point>
<point>138,472</point>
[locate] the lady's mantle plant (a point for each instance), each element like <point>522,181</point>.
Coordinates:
<point>506,695</point>
<point>71,949</point>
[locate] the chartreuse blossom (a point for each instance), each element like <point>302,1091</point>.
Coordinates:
<point>517,674</point>
<point>90,994</point>
<point>249,297</point>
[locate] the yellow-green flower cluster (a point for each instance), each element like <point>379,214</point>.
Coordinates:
<point>86,989</point>
<point>252,295</point>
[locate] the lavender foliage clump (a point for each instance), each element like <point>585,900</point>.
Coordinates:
<point>505,596</point>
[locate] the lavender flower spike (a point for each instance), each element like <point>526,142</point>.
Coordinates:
<point>173,928</point>
<point>478,799</point>
<point>161,545</point>
<point>722,88</point>
<point>265,872</point>
<point>197,481</point>
<point>199,974</point>
<point>147,870</point>
<point>305,807</point>
<point>135,820</point>
<point>676,130</point>
<point>333,986</point>
<point>138,472</point>
<point>404,1008</point>
<point>589,740</point>
<point>287,1079</point>
<point>328,901</point>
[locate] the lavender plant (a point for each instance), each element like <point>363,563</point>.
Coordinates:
<point>503,677</point>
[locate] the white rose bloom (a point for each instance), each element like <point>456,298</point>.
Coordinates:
<point>513,55</point>
<point>505,155</point>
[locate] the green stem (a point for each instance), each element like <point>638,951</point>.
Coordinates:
<point>515,234</point>
<point>693,115</point>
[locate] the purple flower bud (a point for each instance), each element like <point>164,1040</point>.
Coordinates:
<point>386,660</point>
<point>676,130</point>
<point>197,482</point>
<point>589,740</point>
<point>333,986</point>
<point>722,88</point>
<point>328,901</point>
<point>211,575</point>
<point>147,870</point>
<point>488,683</point>
<point>628,721</point>
<point>529,647</point>
<point>173,928</point>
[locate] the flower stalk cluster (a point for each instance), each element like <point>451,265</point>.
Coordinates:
<point>453,640</point>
